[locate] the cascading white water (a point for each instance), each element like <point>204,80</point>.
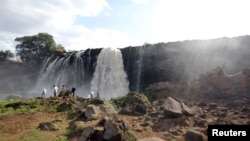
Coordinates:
<point>59,72</point>
<point>110,79</point>
<point>139,68</point>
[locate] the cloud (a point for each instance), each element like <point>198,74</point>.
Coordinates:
<point>6,41</point>
<point>18,16</point>
<point>107,14</point>
<point>140,1</point>
<point>79,37</point>
<point>58,18</point>
<point>184,20</point>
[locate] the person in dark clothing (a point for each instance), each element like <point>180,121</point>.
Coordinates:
<point>73,90</point>
<point>98,96</point>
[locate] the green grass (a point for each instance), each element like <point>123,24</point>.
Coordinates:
<point>39,135</point>
<point>130,136</point>
<point>8,107</point>
<point>62,138</point>
<point>35,135</point>
<point>119,101</point>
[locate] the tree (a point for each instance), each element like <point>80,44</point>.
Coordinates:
<point>58,48</point>
<point>5,55</point>
<point>33,49</point>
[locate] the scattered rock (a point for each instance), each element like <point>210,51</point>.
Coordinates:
<point>145,123</point>
<point>108,109</point>
<point>172,108</point>
<point>201,104</point>
<point>47,126</point>
<point>113,130</point>
<point>193,136</point>
<point>212,105</point>
<point>86,133</point>
<point>186,110</point>
<point>92,112</point>
<point>200,123</point>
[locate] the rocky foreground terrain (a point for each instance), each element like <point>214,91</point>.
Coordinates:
<point>136,119</point>
<point>173,115</point>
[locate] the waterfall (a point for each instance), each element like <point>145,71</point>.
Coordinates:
<point>98,70</point>
<point>139,68</point>
<point>59,71</point>
<point>110,79</point>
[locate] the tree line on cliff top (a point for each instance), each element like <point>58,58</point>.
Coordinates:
<point>33,49</point>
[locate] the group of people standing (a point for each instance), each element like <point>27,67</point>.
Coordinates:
<point>91,95</point>
<point>55,91</point>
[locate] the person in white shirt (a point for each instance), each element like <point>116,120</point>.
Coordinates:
<point>55,90</point>
<point>88,96</point>
<point>44,92</point>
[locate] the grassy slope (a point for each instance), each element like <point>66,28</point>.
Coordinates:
<point>19,120</point>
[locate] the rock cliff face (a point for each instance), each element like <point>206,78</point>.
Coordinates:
<point>173,62</point>
<point>183,61</point>
<point>16,77</point>
<point>215,85</point>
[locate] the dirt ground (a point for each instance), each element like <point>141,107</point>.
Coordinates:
<point>141,132</point>
<point>15,126</point>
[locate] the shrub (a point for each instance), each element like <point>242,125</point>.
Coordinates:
<point>160,90</point>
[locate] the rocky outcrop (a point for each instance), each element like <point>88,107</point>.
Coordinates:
<point>86,133</point>
<point>176,108</point>
<point>193,136</point>
<point>135,104</point>
<point>172,108</point>
<point>93,111</point>
<point>215,86</point>
<point>114,130</point>
<point>17,77</point>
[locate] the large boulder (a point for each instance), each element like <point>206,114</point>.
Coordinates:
<point>187,110</point>
<point>172,108</point>
<point>86,133</point>
<point>108,109</point>
<point>193,136</point>
<point>114,129</point>
<point>93,111</point>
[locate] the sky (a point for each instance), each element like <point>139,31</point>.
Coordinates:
<point>83,24</point>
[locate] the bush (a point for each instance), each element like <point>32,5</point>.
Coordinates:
<point>130,136</point>
<point>130,98</point>
<point>119,101</point>
<point>6,55</point>
<point>160,90</point>
<point>62,138</point>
